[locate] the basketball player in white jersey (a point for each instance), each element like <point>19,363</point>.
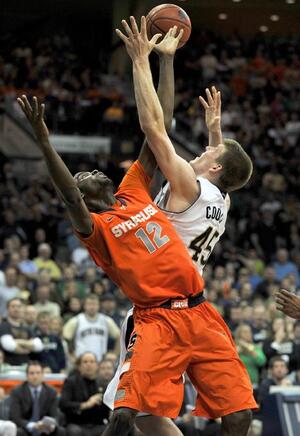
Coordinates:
<point>196,196</point>
<point>200,226</point>
<point>90,331</point>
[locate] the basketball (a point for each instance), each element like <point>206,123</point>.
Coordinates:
<point>161,18</point>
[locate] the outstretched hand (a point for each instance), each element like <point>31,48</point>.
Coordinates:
<point>169,44</point>
<point>288,303</point>
<point>212,109</point>
<point>35,115</point>
<point>137,43</point>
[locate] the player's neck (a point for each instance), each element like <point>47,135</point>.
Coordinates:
<point>102,205</point>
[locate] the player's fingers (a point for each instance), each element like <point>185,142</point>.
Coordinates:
<point>169,33</point>
<point>41,111</point>
<point>21,104</point>
<point>27,105</point>
<point>155,38</point>
<point>174,31</point>
<point>121,35</point>
<point>285,297</point>
<point>35,106</point>
<point>209,97</point>
<point>203,102</point>
<point>127,28</point>
<point>279,300</point>
<point>285,293</point>
<point>134,26</point>
<point>144,27</point>
<point>218,103</point>
<point>179,36</point>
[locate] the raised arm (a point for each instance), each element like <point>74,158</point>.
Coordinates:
<point>212,109</point>
<point>60,176</point>
<point>166,89</point>
<point>179,172</point>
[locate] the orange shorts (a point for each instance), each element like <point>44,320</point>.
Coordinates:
<point>164,345</point>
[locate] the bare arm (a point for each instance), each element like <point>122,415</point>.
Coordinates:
<point>212,109</point>
<point>179,173</point>
<point>166,90</point>
<point>61,177</point>
<point>288,303</point>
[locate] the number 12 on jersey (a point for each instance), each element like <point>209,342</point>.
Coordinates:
<point>203,245</point>
<point>157,241</point>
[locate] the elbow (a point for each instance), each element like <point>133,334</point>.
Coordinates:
<point>37,345</point>
<point>8,343</point>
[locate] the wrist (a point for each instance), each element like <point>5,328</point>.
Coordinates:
<point>166,57</point>
<point>141,60</point>
<point>84,405</point>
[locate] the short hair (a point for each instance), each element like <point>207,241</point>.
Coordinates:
<point>93,297</point>
<point>275,359</point>
<point>33,363</point>
<point>11,300</point>
<point>237,166</point>
<point>79,358</point>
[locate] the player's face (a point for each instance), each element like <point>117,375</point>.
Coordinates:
<point>93,184</point>
<point>207,159</point>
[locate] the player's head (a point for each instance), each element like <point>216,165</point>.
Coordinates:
<point>227,165</point>
<point>96,188</point>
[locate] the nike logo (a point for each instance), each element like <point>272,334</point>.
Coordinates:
<point>108,220</point>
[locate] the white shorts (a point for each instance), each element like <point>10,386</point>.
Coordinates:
<point>111,390</point>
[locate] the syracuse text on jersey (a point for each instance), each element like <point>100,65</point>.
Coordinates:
<point>134,221</point>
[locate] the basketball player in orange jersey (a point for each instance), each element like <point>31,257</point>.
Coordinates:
<point>227,167</point>
<point>165,50</point>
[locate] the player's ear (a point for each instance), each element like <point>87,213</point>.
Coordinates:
<point>216,167</point>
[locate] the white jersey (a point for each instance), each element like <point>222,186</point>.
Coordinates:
<point>200,227</point>
<point>91,335</point>
<point>109,396</point>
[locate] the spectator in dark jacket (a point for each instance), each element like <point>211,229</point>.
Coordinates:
<point>81,399</point>
<point>16,339</point>
<point>53,354</point>
<point>34,405</point>
<point>278,377</point>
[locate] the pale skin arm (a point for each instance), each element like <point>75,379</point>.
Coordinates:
<point>212,107</point>
<point>60,176</point>
<point>180,174</point>
<point>166,51</point>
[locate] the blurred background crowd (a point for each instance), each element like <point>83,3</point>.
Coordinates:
<point>47,280</point>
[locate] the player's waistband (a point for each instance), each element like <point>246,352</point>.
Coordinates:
<point>183,303</point>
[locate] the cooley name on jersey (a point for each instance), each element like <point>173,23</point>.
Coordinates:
<point>202,224</point>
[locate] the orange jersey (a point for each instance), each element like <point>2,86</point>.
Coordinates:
<point>139,249</point>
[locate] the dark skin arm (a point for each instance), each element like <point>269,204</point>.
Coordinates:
<point>166,50</point>
<point>288,303</point>
<point>60,176</point>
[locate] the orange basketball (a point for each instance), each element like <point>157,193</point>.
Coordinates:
<point>162,17</point>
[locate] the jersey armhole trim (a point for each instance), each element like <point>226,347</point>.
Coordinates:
<point>189,207</point>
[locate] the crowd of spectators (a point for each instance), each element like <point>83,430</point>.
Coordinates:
<point>48,283</point>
